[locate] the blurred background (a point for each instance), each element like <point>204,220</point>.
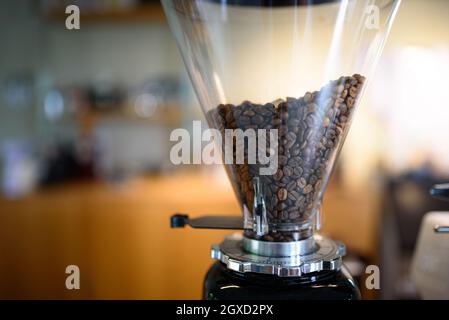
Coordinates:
<point>85,119</point>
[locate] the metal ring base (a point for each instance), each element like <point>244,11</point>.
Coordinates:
<point>279,249</point>
<point>327,256</point>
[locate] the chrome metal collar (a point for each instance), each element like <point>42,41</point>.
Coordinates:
<point>326,255</point>
<point>279,249</point>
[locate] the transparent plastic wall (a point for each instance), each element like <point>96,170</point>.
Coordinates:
<point>291,74</point>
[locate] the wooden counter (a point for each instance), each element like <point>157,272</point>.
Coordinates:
<point>120,238</point>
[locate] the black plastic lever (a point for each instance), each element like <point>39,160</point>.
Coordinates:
<point>207,222</point>
<point>440,191</point>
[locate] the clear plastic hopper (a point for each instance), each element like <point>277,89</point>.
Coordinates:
<point>281,80</point>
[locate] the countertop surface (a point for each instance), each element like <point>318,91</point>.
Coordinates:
<point>120,238</point>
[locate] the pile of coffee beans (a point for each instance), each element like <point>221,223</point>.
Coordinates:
<point>310,132</point>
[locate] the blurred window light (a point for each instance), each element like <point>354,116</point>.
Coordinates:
<point>145,105</point>
<point>412,99</point>
<point>53,105</point>
<point>19,169</point>
<point>18,91</point>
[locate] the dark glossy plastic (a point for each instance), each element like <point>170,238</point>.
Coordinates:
<point>224,284</point>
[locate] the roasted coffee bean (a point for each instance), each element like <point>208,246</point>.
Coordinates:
<point>339,89</point>
<point>310,130</point>
<point>294,213</point>
<point>291,136</point>
<point>285,180</point>
<point>283,107</point>
<point>308,189</point>
<point>294,162</point>
<point>338,102</point>
<point>295,151</point>
<point>282,131</point>
<point>284,116</point>
<point>236,112</point>
<point>282,160</point>
<point>221,109</point>
<point>282,205</point>
<point>304,145</point>
<point>243,120</point>
<point>301,182</point>
<point>281,153</point>
<point>290,196</point>
<point>278,175</point>
<point>288,171</point>
<point>291,139</point>
<point>229,116</point>
<point>249,113</point>
<point>330,113</point>
<point>308,97</point>
<point>291,185</point>
<point>282,194</point>
<point>257,119</point>
<point>350,102</point>
<point>297,171</point>
<point>293,195</point>
<point>267,109</point>
<point>300,201</point>
<point>294,123</point>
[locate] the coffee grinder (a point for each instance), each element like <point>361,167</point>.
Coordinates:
<point>289,74</point>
